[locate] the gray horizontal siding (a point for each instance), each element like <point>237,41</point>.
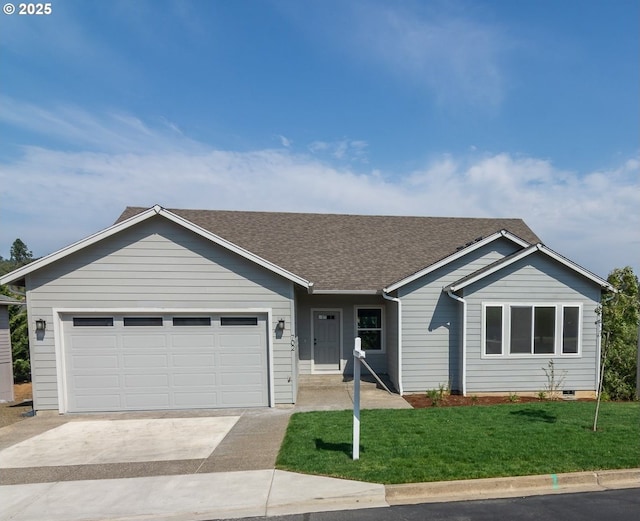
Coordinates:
<point>535,279</point>
<point>156,264</point>
<point>5,337</point>
<point>431,321</point>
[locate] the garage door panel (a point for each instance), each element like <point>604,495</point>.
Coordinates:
<point>241,360</point>
<point>195,380</point>
<point>193,341</point>
<point>194,400</point>
<point>104,402</point>
<point>252,399</point>
<point>255,378</point>
<point>144,360</point>
<point>193,360</point>
<point>166,366</point>
<point>94,362</point>
<point>146,380</point>
<point>144,341</point>
<point>94,342</point>
<point>240,340</point>
<point>154,400</point>
<point>109,381</point>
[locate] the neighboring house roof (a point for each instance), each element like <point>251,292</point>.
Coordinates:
<point>510,259</point>
<point>8,301</point>
<point>339,252</point>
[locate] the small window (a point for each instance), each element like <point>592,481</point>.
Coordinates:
<point>326,317</point>
<point>92,321</point>
<point>369,328</point>
<point>238,321</point>
<point>570,328</point>
<point>191,321</point>
<point>142,321</point>
<point>493,330</point>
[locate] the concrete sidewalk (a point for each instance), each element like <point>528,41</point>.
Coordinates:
<point>222,495</point>
<point>265,493</point>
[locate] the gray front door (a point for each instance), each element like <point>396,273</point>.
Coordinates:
<point>326,341</point>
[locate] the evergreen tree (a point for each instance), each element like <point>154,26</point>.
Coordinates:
<point>620,313</point>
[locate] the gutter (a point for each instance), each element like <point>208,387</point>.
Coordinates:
<point>399,302</point>
<point>464,338</point>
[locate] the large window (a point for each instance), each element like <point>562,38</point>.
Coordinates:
<point>369,328</point>
<point>536,329</point>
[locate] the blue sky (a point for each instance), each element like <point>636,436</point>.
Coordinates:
<point>446,108</point>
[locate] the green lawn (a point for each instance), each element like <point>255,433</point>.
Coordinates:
<point>408,446</point>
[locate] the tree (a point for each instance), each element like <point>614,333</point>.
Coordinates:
<point>620,314</point>
<point>20,254</point>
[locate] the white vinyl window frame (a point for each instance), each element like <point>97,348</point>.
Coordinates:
<point>506,308</point>
<point>357,329</point>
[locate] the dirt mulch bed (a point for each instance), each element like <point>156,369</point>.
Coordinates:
<point>18,409</point>
<point>421,401</point>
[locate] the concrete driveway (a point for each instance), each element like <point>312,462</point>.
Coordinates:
<point>51,447</point>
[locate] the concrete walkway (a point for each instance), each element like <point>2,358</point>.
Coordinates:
<point>216,464</point>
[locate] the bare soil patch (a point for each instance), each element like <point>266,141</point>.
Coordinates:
<point>19,409</point>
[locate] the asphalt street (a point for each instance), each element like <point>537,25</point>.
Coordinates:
<point>610,505</point>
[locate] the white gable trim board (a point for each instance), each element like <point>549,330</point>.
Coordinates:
<point>143,216</point>
<point>69,377</point>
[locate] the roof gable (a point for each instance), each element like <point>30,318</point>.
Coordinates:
<point>123,224</point>
<point>531,250</point>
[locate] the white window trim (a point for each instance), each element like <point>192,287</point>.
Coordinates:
<point>506,331</point>
<point>383,346</point>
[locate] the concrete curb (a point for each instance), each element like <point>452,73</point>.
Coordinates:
<point>492,488</point>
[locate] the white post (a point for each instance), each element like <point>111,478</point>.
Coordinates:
<point>358,354</point>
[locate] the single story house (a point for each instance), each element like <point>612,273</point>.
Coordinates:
<point>179,309</point>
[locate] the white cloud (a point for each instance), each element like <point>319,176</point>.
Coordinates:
<point>50,198</point>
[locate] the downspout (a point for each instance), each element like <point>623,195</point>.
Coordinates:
<point>399,302</point>
<point>464,339</point>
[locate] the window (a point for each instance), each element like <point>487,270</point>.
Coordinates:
<point>369,328</point>
<point>238,321</point>
<point>191,321</point>
<point>142,321</point>
<point>493,326</point>
<point>570,329</point>
<point>92,321</point>
<point>523,329</point>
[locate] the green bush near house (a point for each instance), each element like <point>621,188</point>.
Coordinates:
<point>450,443</point>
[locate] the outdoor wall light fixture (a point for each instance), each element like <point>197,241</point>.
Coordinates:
<point>41,325</point>
<point>281,324</point>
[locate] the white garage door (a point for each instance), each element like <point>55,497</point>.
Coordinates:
<point>165,361</point>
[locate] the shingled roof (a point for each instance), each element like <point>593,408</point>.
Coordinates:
<point>348,252</point>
